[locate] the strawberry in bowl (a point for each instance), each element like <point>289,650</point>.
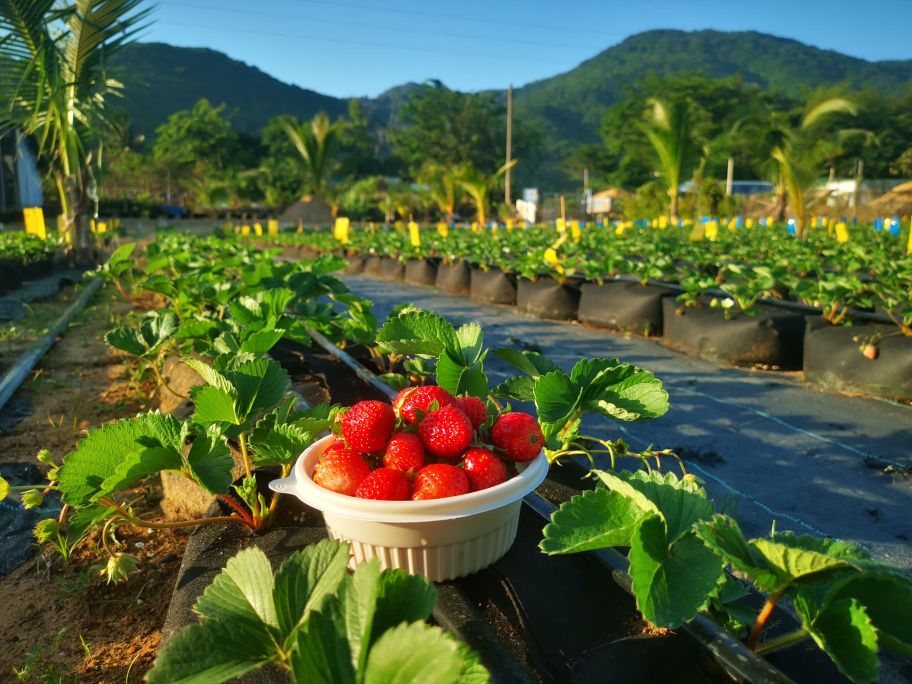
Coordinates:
<point>435,490</point>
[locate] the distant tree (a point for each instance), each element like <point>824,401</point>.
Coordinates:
<point>667,127</point>
<point>478,185</point>
<point>358,149</point>
<point>315,142</point>
<point>450,127</point>
<point>54,86</point>
<point>444,187</point>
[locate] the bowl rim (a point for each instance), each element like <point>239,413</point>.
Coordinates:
<point>300,483</point>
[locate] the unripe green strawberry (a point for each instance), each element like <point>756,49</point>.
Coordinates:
<point>404,452</point>
<point>421,398</point>
<point>446,433</point>
<point>367,426</point>
<point>483,468</point>
<point>384,484</point>
<point>518,435</point>
<point>475,409</point>
<point>438,481</point>
<point>341,471</point>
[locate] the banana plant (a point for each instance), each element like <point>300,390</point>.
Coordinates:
<point>667,128</point>
<point>478,185</point>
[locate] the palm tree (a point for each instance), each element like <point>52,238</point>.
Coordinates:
<point>798,150</point>
<point>667,128</point>
<point>443,186</point>
<point>56,83</point>
<point>478,184</point>
<point>314,141</point>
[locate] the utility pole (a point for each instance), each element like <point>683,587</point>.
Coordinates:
<point>507,199</point>
<point>730,177</point>
<point>856,198</point>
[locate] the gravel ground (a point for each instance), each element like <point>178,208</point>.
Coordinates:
<point>770,448</point>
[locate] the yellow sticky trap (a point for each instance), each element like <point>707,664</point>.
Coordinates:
<point>443,230</point>
<point>34,222</point>
<point>414,234</point>
<point>300,227</point>
<point>258,229</point>
<point>749,223</point>
<point>474,226</point>
<point>842,232</point>
<point>575,232</point>
<point>560,224</point>
<point>400,227</point>
<point>698,232</point>
<point>663,222</point>
<point>341,228</point>
<point>245,230</point>
<point>711,230</point>
<point>509,225</point>
<point>272,227</point>
<point>101,227</point>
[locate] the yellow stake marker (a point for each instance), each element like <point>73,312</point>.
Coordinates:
<point>414,234</point>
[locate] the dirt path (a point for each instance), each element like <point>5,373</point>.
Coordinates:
<point>61,621</point>
<point>767,446</point>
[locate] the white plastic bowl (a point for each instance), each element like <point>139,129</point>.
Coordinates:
<point>438,538</point>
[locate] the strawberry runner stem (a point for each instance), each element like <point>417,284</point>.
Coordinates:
<point>242,442</point>
<point>781,642</point>
<point>764,615</point>
<point>137,522</point>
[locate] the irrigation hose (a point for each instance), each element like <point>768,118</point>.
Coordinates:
<point>26,361</point>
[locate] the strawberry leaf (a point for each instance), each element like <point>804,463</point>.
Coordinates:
<point>520,388</point>
<point>210,462</point>
<point>415,652</point>
<point>845,632</point>
<point>116,447</point>
<point>416,332</point>
<point>595,519</point>
<point>531,363</point>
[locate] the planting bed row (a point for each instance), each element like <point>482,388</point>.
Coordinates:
<point>531,618</point>
<point>772,337</point>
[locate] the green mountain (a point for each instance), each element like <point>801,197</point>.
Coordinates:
<point>567,108</point>
<point>161,79</point>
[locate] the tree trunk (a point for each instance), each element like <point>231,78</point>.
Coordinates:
<point>80,235</point>
<point>673,205</point>
<point>779,208</point>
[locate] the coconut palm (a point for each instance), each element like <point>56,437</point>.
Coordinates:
<point>667,128</point>
<point>478,185</point>
<point>798,150</point>
<point>315,141</point>
<point>443,187</point>
<point>56,84</point>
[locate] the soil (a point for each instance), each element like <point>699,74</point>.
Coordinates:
<point>61,621</point>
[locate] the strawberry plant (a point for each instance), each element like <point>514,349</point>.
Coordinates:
<point>314,622</point>
<point>680,549</point>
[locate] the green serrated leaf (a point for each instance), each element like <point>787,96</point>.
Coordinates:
<point>214,651</point>
<point>359,598</point>
<point>306,579</point>
<point>471,343</point>
<point>415,652</point>
<point>416,332</point>
<point>671,582</point>
<point>126,339</point>
<point>457,378</point>
<point>531,363</point>
<point>276,444</point>
<point>679,503</point>
<point>402,598</point>
<point>4,488</point>
<point>792,558</point>
<point>619,390</point>
<point>322,654</point>
<point>241,592</point>
<point>210,375</point>
<point>395,380</point>
<point>144,462</point>
<point>210,462</point>
<point>262,341</point>
<point>557,397</point>
<point>520,388</point>
<point>845,632</point>
<point>595,519</point>
<point>260,384</point>
<point>213,406</point>
<point>887,599</point>
<point>115,445</point>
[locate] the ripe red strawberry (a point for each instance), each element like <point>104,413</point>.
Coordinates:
<point>518,435</point>
<point>420,398</point>
<point>335,447</point>
<point>404,452</point>
<point>384,484</point>
<point>438,481</point>
<point>483,469</point>
<point>475,409</point>
<point>367,426</point>
<point>341,471</point>
<point>446,433</point>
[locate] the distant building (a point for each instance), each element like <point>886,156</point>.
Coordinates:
<point>742,187</point>
<point>20,182</point>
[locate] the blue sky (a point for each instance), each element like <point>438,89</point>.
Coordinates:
<point>362,47</point>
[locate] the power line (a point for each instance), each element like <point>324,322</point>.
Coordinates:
<point>399,29</point>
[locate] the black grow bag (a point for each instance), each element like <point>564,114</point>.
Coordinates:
<point>391,269</point>
<point>547,298</point>
<point>833,359</point>
<point>618,305</point>
<point>373,265</point>
<point>772,337</point>
<point>454,277</point>
<point>421,272</point>
<point>355,263</point>
<point>493,286</point>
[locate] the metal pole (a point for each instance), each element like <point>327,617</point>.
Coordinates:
<point>509,144</point>
<point>730,177</point>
